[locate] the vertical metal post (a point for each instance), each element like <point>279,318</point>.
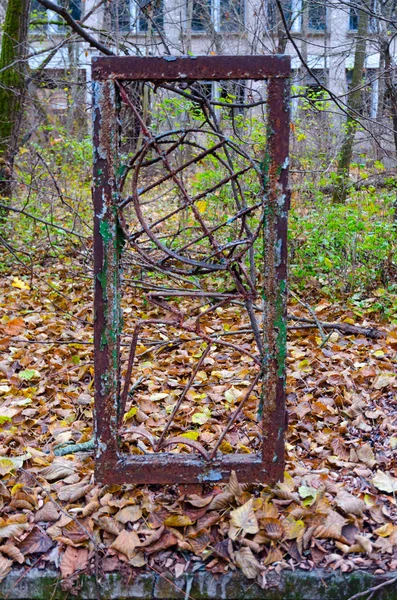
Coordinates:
<point>107,247</point>
<point>275,272</point>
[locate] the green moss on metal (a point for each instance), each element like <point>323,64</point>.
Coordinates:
<point>280,324</point>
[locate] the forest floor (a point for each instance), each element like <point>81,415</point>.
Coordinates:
<point>336,507</point>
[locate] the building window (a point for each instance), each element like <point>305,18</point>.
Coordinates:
<point>225,15</point>
<point>48,21</point>
<point>292,10</point>
<point>317,15</point>
<point>131,16</point>
<point>201,15</point>
<point>353,18</point>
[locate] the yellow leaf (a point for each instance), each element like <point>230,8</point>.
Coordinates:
<point>18,283</point>
<point>244,518</point>
<point>385,530</point>
<point>226,448</point>
<point>177,521</point>
<point>201,205</point>
<point>201,417</point>
<point>293,529</point>
<point>131,413</point>
<point>190,435</point>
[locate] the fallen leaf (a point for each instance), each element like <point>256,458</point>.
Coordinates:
<point>385,482</point>
<point>129,514</point>
<point>18,283</point>
<point>59,469</point>
<point>244,518</point>
<point>5,567</point>
<point>47,513</point>
<point>126,542</point>
<point>13,552</point>
<point>332,527</point>
<point>350,504</point>
<point>383,531</point>
<point>72,493</point>
<point>36,542</point>
<point>366,455</point>
<point>247,562</point>
<point>384,381</point>
<point>73,559</point>
<point>177,521</point>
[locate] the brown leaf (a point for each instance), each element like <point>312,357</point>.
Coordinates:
<point>126,542</point>
<point>109,525</point>
<point>199,501</point>
<point>47,513</point>
<point>129,514</point>
<point>73,559</point>
<point>152,536</point>
<point>339,448</point>
<point>166,541</point>
<point>14,326</point>
<point>13,552</point>
<point>36,542</point>
<point>233,486</point>
<point>274,555</point>
<point>221,501</point>
<point>59,469</point>
<point>72,493</point>
<point>350,504</point>
<point>366,455</point>
<point>244,518</point>
<point>272,528</point>
<point>247,562</point>
<point>5,567</point>
<point>332,527</point>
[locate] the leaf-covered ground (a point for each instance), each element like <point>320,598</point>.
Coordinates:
<point>335,508</point>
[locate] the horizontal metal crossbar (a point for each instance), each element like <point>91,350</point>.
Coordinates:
<point>190,68</point>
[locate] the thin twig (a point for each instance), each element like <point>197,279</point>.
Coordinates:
<point>373,589</point>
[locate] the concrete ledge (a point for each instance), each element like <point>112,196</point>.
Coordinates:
<point>38,584</point>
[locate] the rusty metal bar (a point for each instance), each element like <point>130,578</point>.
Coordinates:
<point>107,248</point>
<point>189,68</point>
<point>275,275</point>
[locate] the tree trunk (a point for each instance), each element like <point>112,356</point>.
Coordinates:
<point>354,106</point>
<point>12,90</point>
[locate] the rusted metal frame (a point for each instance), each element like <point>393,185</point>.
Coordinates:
<point>190,68</point>
<point>247,468</point>
<point>107,249</point>
<point>274,293</point>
